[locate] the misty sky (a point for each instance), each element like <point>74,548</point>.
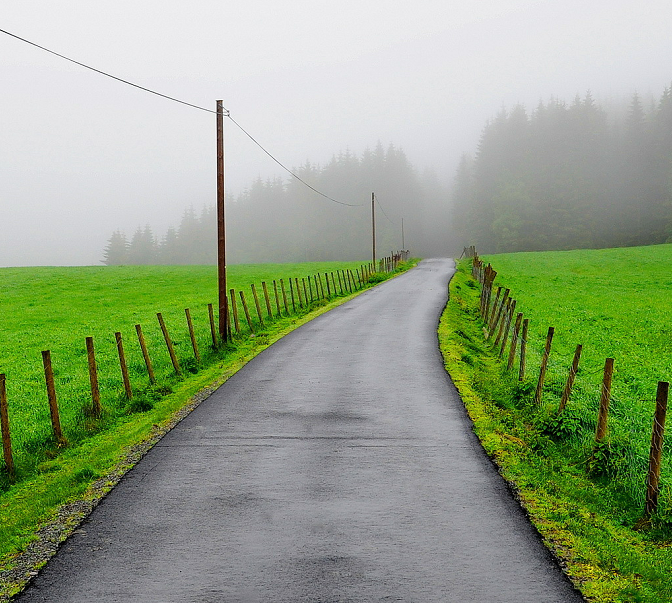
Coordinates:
<point>82,155</point>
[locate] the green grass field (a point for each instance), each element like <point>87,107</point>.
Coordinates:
<point>617,303</point>
<point>587,504</point>
<point>56,309</point>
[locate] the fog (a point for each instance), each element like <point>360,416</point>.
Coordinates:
<point>82,155</point>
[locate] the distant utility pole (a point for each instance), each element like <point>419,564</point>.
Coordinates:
<point>403,244</point>
<point>373,227</point>
<point>221,230</point>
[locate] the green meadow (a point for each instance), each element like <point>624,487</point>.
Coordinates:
<point>617,303</point>
<point>56,309</point>
<point>587,501</point>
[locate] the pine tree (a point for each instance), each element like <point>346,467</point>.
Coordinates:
<point>142,249</point>
<point>168,251</point>
<point>116,252</point>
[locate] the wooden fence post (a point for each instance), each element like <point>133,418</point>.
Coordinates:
<point>192,335</point>
<point>169,344</point>
<point>268,301</point>
<point>509,318</point>
<point>247,311</point>
<point>213,329</point>
<point>523,349</point>
<point>145,354</point>
<point>483,296</point>
<point>499,313</point>
<point>291,295</point>
<point>502,322</point>
<point>284,296</point>
<point>234,310</point>
<point>653,475</point>
<point>302,303</point>
<point>310,288</point>
<point>93,378</point>
<point>567,391</point>
<point>229,319</point>
<point>493,310</point>
<point>305,291</point>
<point>514,341</point>
<point>4,429</point>
<point>605,398</point>
<point>484,292</point>
<point>326,278</point>
<point>544,364</point>
<point>124,367</point>
<point>340,284</point>
<point>277,298</point>
<point>53,403</point>
<point>505,322</point>
<point>257,306</point>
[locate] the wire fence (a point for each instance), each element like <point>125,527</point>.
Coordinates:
<point>147,373</point>
<point>585,405</point>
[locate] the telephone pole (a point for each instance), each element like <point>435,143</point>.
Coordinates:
<point>373,227</point>
<point>221,230</point>
<point>403,243</point>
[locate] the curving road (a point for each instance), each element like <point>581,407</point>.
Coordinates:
<point>339,465</point>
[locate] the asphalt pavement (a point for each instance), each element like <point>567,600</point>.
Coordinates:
<point>337,466</point>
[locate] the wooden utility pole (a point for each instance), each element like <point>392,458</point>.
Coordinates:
<point>403,242</point>
<point>221,230</point>
<point>373,227</point>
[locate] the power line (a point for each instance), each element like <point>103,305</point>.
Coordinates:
<point>385,214</point>
<point>288,170</point>
<point>114,77</point>
<point>177,100</point>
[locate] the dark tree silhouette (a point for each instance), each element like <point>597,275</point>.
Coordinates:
<point>280,221</point>
<point>116,251</point>
<point>568,176</point>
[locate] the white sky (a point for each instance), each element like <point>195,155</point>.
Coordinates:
<point>82,155</point>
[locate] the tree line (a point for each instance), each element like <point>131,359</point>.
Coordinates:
<point>569,176</point>
<point>277,220</point>
<point>193,242</point>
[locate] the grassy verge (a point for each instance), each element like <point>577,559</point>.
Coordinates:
<point>57,308</point>
<point>583,513</point>
<point>40,510</point>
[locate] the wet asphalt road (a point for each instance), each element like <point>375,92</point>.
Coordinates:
<point>339,465</point>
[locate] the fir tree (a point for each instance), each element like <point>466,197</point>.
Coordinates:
<point>116,251</point>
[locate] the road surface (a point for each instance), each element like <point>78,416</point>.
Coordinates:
<point>337,466</point>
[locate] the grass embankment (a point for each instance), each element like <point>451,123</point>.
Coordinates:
<point>617,303</point>
<point>56,308</point>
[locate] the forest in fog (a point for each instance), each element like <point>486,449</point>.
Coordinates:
<point>569,176</point>
<point>562,176</point>
<point>281,220</point>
